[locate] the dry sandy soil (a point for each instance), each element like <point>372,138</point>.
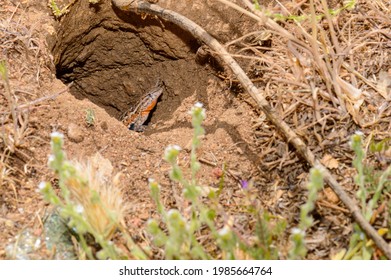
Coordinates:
<point>113,59</point>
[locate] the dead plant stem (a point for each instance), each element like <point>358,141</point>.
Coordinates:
<point>39,100</point>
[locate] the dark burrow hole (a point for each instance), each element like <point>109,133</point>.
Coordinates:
<point>114,58</point>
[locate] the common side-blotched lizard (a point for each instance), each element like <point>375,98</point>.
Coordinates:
<point>135,119</point>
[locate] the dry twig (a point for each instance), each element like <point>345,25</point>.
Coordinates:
<point>28,105</point>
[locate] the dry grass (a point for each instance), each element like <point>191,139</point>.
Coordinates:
<point>109,212</point>
<point>7,175</point>
<point>18,44</point>
<point>23,59</point>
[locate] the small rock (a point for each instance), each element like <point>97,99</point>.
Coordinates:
<point>75,133</point>
<point>104,126</point>
<point>217,172</point>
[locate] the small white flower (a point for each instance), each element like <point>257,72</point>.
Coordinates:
<point>358,132</point>
<point>50,159</point>
<point>199,105</point>
<point>224,231</point>
<point>41,186</point>
<point>198,108</point>
<point>171,152</point>
<point>176,147</point>
<point>57,134</point>
<point>297,231</point>
<point>37,243</point>
<point>79,209</point>
<point>172,212</point>
<point>153,185</point>
<point>173,147</point>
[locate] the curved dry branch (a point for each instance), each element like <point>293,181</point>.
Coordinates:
<point>199,33</point>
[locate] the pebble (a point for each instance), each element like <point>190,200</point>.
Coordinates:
<point>75,133</point>
<point>104,126</point>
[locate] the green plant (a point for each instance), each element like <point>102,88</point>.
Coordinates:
<point>90,117</point>
<point>181,231</point>
<point>369,193</point>
<point>360,247</point>
<point>91,209</point>
<point>181,242</point>
<point>57,12</point>
<point>90,205</point>
<point>382,177</point>
<point>298,250</point>
<point>267,231</point>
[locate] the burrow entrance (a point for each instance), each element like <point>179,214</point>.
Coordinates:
<point>114,58</point>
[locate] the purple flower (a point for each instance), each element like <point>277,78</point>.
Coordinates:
<point>244,184</point>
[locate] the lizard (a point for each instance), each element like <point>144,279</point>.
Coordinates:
<point>135,119</point>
